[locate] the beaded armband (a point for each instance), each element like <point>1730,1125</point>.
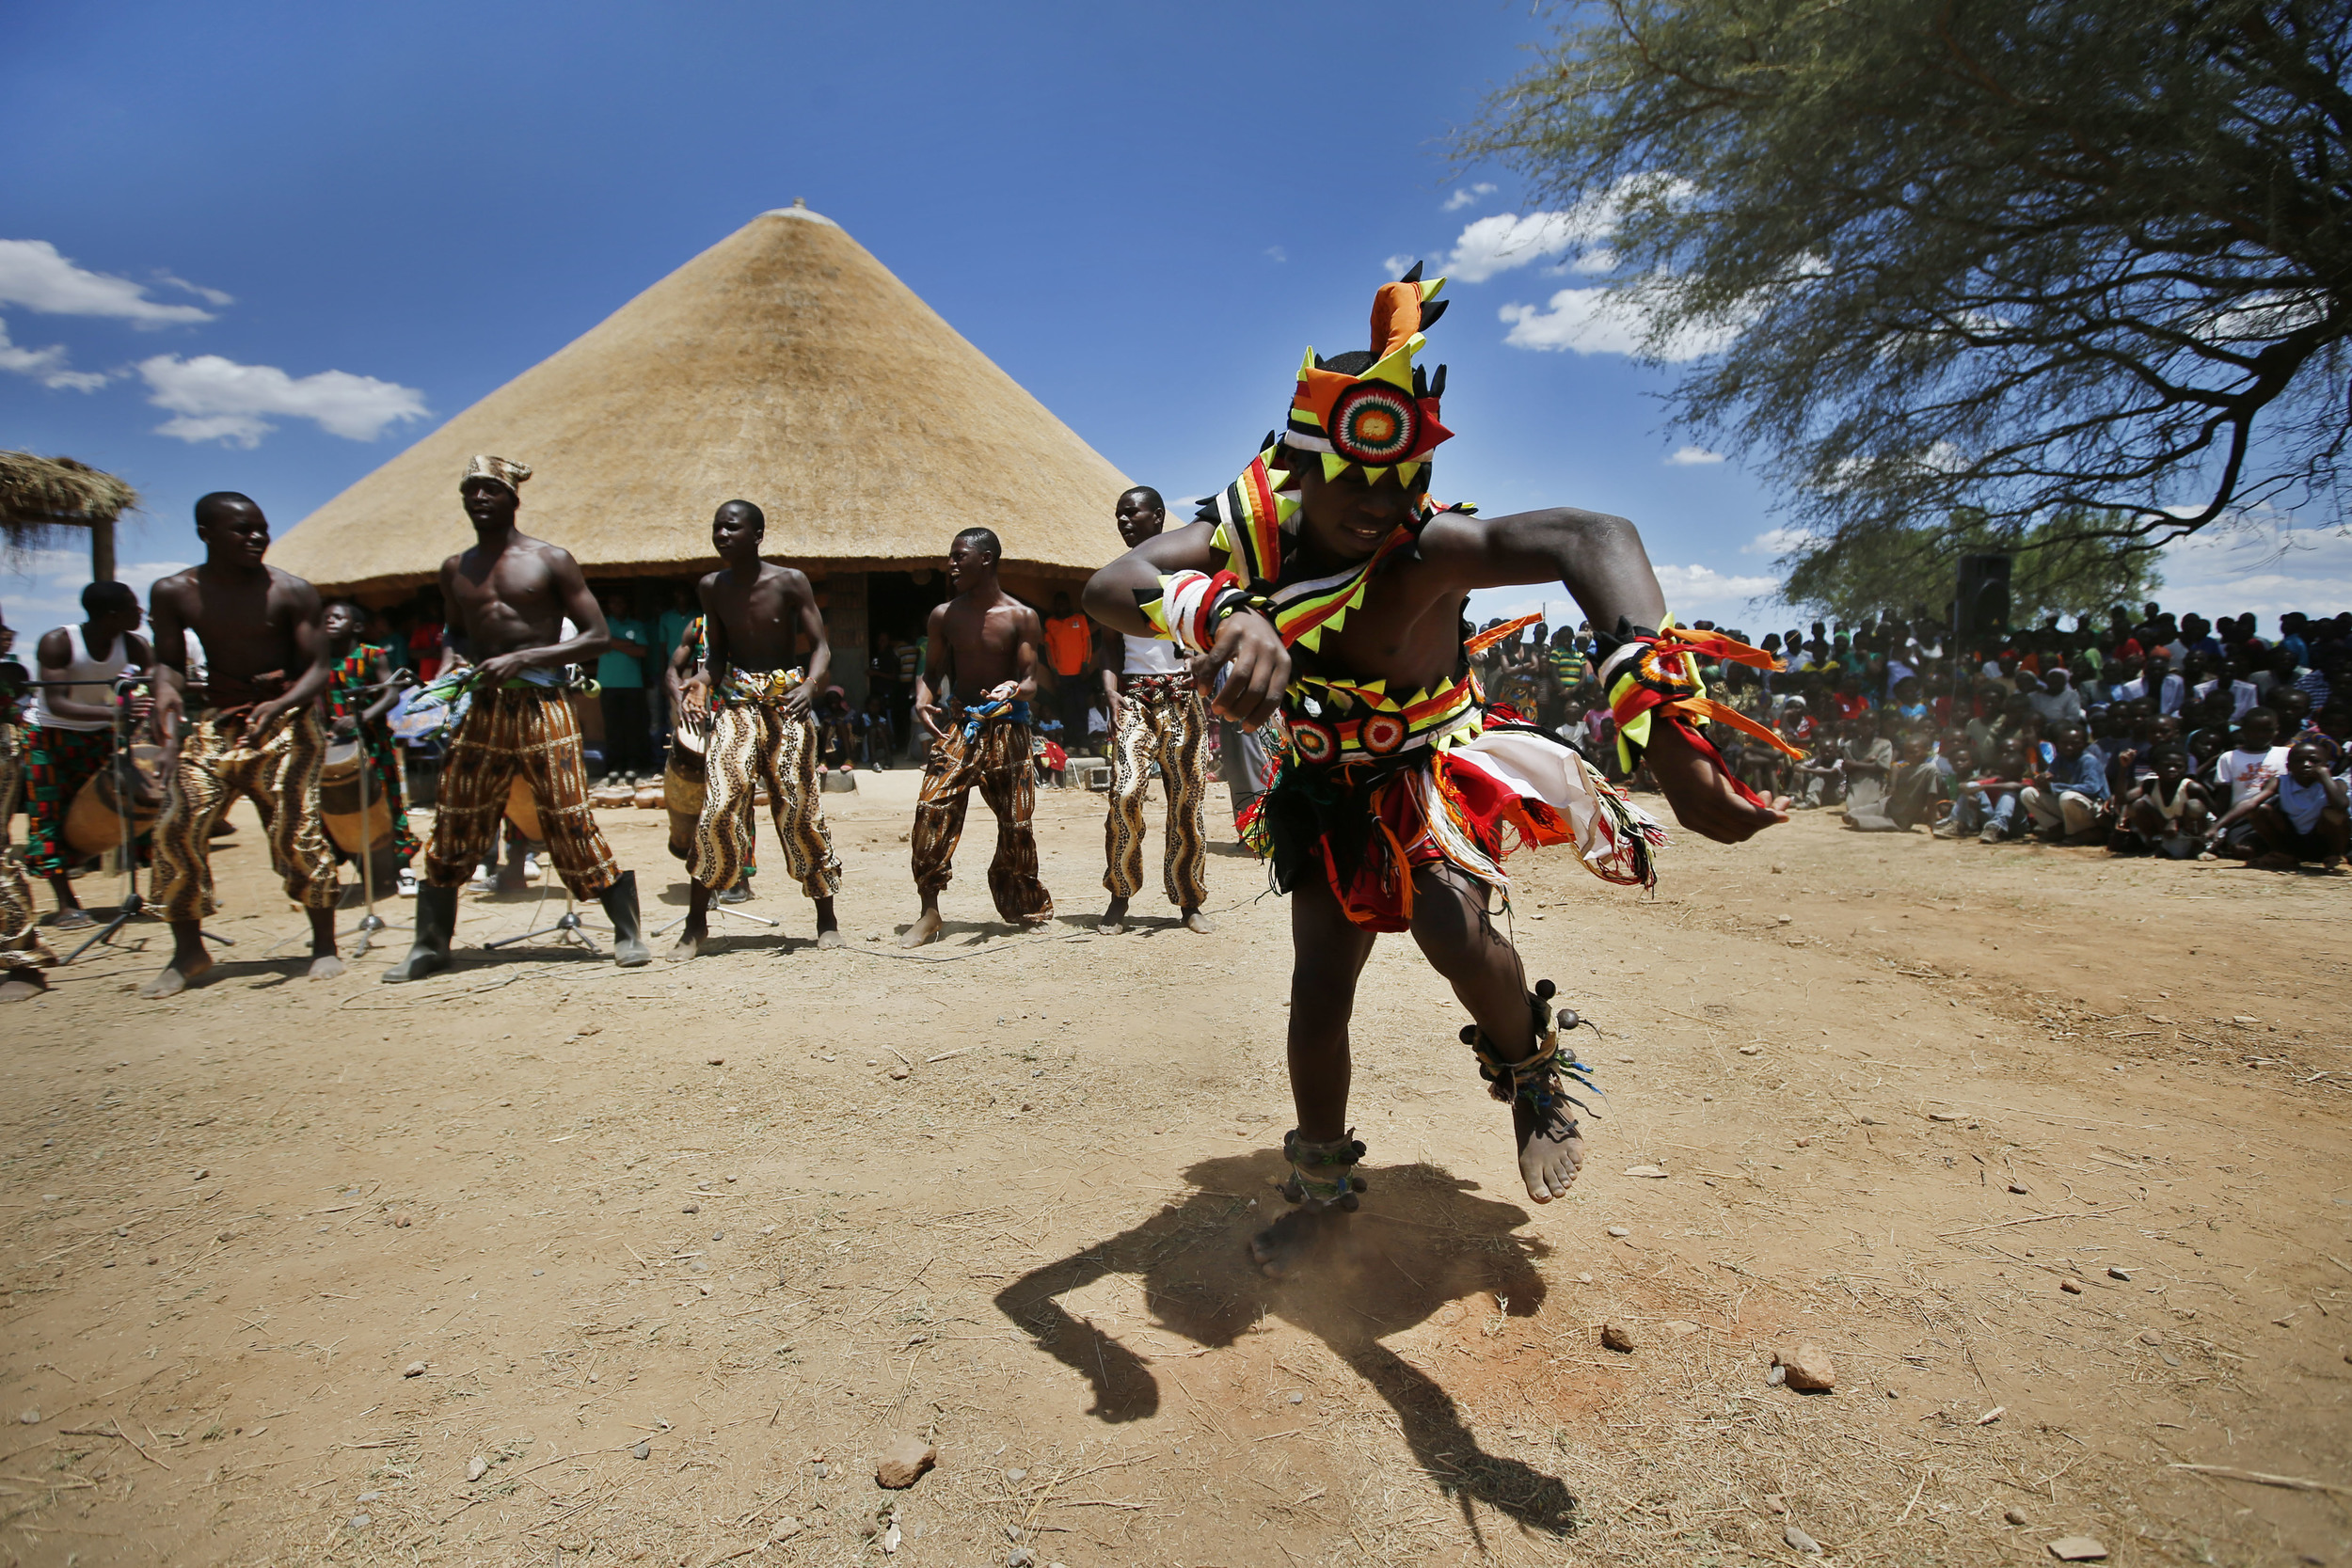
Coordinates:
<point>1650,675</point>
<point>1193,604</point>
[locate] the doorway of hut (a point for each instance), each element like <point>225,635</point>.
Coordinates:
<point>897,607</point>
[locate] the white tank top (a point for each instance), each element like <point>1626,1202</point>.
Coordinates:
<point>92,681</point>
<point>1148,655</point>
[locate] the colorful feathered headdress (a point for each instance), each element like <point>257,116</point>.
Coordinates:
<point>1384,414</point>
<point>1378,410</point>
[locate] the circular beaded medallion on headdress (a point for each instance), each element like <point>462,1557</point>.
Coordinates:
<point>1374,422</point>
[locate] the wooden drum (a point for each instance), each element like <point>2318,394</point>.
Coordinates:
<point>339,800</point>
<point>93,823</point>
<point>684,778</point>
<point>522,810</point>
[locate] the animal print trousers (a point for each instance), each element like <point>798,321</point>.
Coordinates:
<point>508,733</point>
<point>754,742</point>
<point>17,913</point>
<point>277,769</point>
<point>996,759</point>
<point>1161,718</point>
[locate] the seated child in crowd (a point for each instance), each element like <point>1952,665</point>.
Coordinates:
<point>2296,815</point>
<point>2166,813</point>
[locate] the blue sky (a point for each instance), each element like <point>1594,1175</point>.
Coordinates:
<point>263,248</point>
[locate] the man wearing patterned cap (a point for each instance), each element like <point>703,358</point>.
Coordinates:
<point>1326,582</point>
<point>509,596</point>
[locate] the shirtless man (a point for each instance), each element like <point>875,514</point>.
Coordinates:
<point>508,595</point>
<point>1401,796</point>
<point>983,644</point>
<point>754,613</point>
<point>1157,715</point>
<point>254,731</point>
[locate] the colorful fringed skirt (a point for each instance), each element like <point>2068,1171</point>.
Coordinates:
<point>1367,823</point>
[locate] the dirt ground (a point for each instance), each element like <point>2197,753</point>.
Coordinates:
<point>2046,1152</point>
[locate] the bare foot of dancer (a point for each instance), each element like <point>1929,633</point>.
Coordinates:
<point>697,927</point>
<point>1551,1150</point>
<point>1198,922</point>
<point>188,961</point>
<point>926,928</point>
<point>176,977</point>
<point>325,962</point>
<point>828,927</point>
<point>1114,918</point>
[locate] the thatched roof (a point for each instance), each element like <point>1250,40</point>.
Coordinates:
<point>41,496</point>
<point>784,365</point>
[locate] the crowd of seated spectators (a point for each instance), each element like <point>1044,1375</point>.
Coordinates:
<point>2147,735</point>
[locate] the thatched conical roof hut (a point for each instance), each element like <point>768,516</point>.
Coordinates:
<point>45,499</point>
<point>784,365</point>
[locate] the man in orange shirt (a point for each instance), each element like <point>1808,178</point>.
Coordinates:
<point>1069,653</point>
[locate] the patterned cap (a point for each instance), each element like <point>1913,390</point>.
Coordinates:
<point>498,470</point>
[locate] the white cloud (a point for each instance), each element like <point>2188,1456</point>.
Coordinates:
<point>1692,582</point>
<point>1277,253</point>
<point>210,296</point>
<point>1693,457</point>
<point>43,589</point>
<point>219,400</point>
<point>1505,240</point>
<point>1468,195</point>
<point>46,365</point>
<point>1777,541</point>
<point>2261,564</point>
<point>1602,321</point>
<point>33,274</point>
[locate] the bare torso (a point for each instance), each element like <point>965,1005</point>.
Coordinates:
<point>511,599</point>
<point>758,622</point>
<point>247,622</point>
<point>985,640</point>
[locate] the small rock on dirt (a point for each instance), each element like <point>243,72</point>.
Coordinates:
<point>414,1368</point>
<point>2078,1548</point>
<point>2123,1275</point>
<point>2014,1515</point>
<point>1778,1375</point>
<point>1016,1476</point>
<point>30,1417</point>
<point>902,1464</point>
<point>1021,1557</point>
<point>1617,1337</point>
<point>786,1528</point>
<point>1799,1541</point>
<point>718,1061</point>
<point>2018,1188</point>
<point>1619,1231</point>
<point>476,1468</point>
<point>691,1209</point>
<point>1810,1370</point>
<point>642,1450</point>
<point>2241,1018</point>
<point>900,1071</point>
<point>1751,1051</point>
<point>2072,1286</point>
<point>1649,1173</point>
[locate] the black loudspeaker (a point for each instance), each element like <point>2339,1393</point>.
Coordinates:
<point>1982,606</point>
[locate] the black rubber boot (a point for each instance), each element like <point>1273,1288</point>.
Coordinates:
<point>628,936</point>
<point>436,922</point>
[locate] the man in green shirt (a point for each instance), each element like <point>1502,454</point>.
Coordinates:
<point>668,631</point>
<point>621,671</point>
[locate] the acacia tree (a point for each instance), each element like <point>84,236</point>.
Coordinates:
<point>2065,566</point>
<point>2029,258</point>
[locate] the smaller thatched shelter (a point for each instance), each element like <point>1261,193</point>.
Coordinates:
<point>42,497</point>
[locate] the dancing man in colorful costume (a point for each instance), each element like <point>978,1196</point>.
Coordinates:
<point>982,644</point>
<point>753,612</point>
<point>509,596</point>
<point>1325,579</point>
<point>1157,715</point>
<point>254,730</point>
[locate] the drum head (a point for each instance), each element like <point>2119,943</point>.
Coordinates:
<point>693,732</point>
<point>343,761</point>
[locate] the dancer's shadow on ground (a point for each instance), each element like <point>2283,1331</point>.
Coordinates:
<point>1420,1241</point>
